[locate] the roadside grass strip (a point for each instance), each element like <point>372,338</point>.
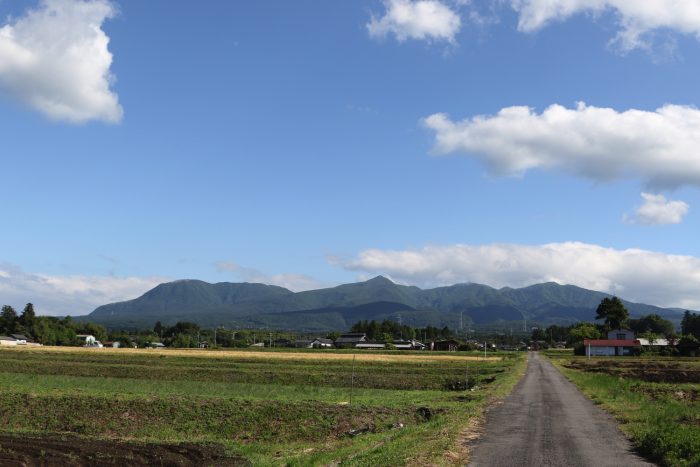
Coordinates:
<point>661,418</point>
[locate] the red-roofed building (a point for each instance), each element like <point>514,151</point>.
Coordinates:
<point>619,342</point>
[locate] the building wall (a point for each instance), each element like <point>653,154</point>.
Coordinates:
<point>8,343</point>
<point>620,334</point>
<point>600,351</point>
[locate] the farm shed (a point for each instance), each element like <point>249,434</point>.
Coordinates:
<point>654,342</point>
<point>370,345</point>
<point>409,345</point>
<point>610,347</point>
<point>450,345</point>
<point>350,340</point>
<point>22,339</point>
<point>7,341</point>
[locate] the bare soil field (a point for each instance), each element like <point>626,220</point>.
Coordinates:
<point>659,371</point>
<point>69,451</point>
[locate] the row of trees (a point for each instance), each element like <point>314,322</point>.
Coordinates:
<point>388,331</point>
<point>47,330</point>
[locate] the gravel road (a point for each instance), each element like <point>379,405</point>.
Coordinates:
<point>546,421</point>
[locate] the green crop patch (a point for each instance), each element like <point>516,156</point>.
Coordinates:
<point>274,409</point>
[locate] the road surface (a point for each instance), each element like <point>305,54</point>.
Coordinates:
<point>546,421</point>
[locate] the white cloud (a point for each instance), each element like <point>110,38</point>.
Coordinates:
<point>68,295</point>
<point>658,210</point>
<point>293,282</point>
<point>660,147</point>
<point>55,59</point>
<point>637,18</point>
<point>638,275</point>
<point>416,19</point>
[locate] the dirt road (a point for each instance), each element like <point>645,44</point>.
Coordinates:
<point>546,421</point>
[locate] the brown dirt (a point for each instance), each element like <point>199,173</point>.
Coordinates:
<point>657,372</point>
<point>70,451</point>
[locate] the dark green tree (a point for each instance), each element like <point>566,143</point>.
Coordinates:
<point>28,317</point>
<point>612,312</point>
<point>652,323</point>
<point>8,320</point>
<point>582,331</point>
<point>690,325</point>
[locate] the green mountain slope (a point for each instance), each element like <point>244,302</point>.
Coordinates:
<point>336,308</point>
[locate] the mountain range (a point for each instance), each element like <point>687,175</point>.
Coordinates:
<point>252,305</point>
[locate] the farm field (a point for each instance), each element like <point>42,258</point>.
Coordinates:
<point>656,400</point>
<point>78,406</point>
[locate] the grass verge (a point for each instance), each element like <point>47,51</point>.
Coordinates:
<point>662,419</point>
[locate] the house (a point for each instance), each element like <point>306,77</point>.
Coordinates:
<point>322,343</point>
<point>449,345</point>
<point>112,344</point>
<point>350,340</point>
<point>317,343</point>
<point>7,341</point>
<point>156,345</point>
<point>619,342</point>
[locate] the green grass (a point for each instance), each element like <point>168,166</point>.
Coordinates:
<point>662,419</point>
<point>273,411</point>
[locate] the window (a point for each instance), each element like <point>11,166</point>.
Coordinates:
<point>621,335</point>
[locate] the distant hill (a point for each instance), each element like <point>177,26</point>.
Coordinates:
<point>337,308</point>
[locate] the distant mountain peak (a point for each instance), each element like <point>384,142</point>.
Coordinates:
<point>380,280</point>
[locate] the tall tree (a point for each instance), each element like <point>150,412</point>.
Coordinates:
<point>691,324</point>
<point>8,319</point>
<point>613,312</point>
<point>28,317</point>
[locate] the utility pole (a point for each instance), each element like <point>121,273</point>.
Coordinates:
<point>270,340</point>
<point>352,380</point>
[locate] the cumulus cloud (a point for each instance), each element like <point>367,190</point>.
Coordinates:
<point>637,18</point>
<point>638,275</point>
<point>659,147</point>
<point>55,59</point>
<point>416,19</point>
<point>293,282</point>
<point>68,295</point>
<point>658,210</point>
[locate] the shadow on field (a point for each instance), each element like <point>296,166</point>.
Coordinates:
<point>70,451</point>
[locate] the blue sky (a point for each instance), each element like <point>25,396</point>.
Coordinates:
<point>293,143</point>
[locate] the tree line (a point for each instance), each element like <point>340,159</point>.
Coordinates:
<point>47,330</point>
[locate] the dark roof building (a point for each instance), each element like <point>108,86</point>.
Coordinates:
<point>349,340</point>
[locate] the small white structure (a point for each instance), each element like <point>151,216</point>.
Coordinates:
<point>7,341</point>
<point>653,343</point>
<point>88,340</point>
